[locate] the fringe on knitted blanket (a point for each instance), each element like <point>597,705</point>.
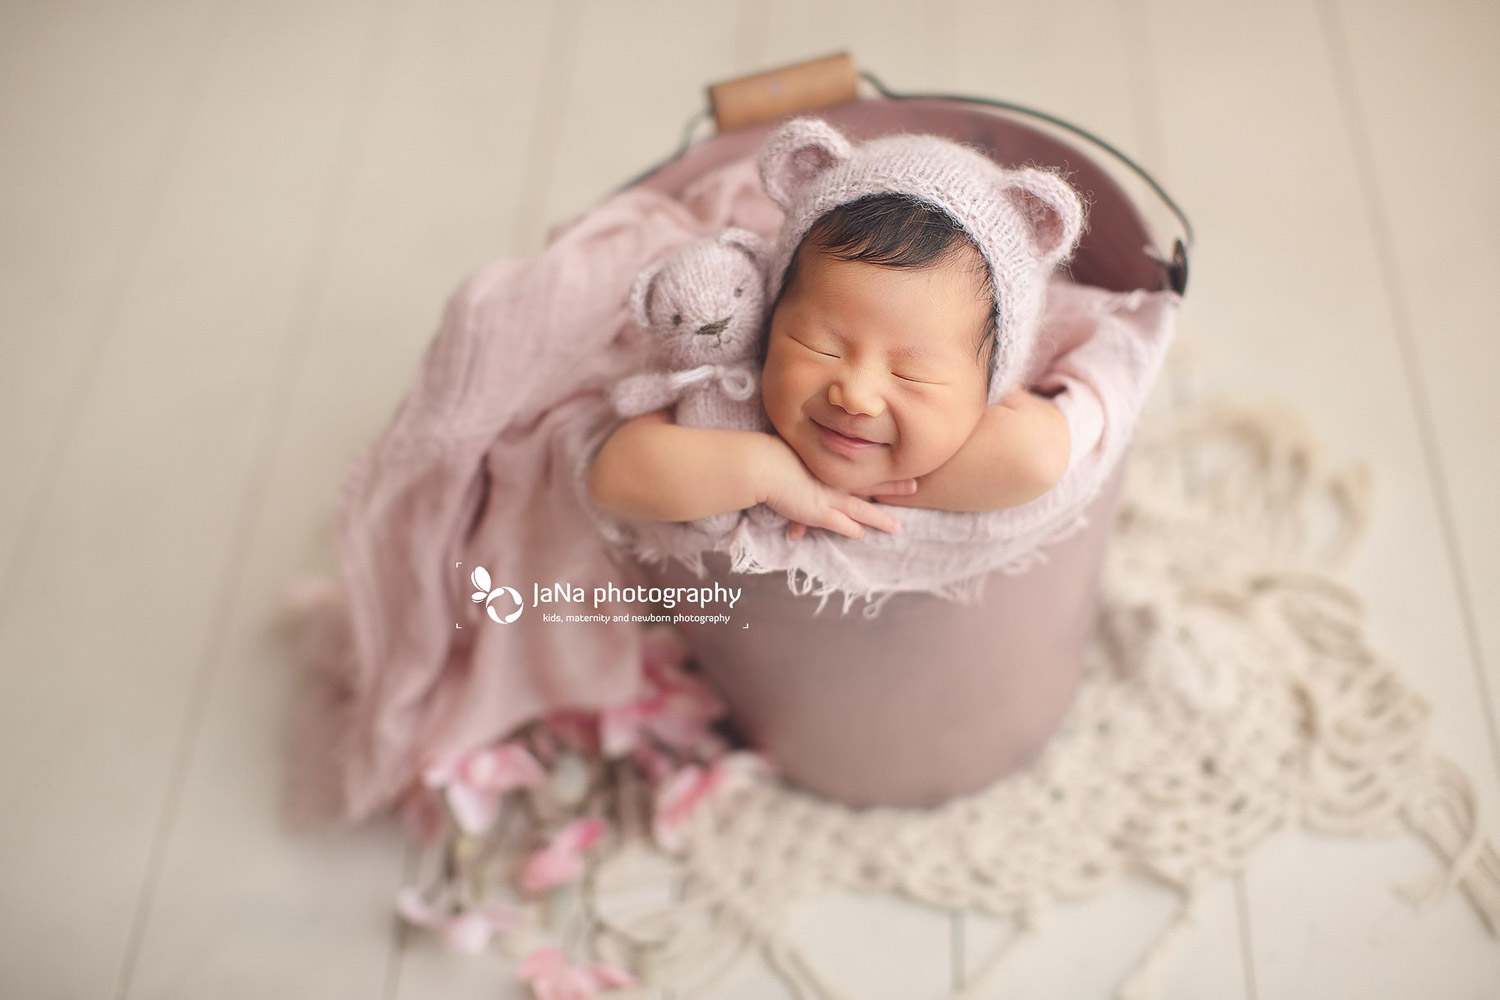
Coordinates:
<point>1230,694</point>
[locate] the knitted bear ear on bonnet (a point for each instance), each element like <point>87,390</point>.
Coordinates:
<point>1024,222</point>
<point>802,149</point>
<point>751,245</point>
<point>1051,210</point>
<point>795,153</point>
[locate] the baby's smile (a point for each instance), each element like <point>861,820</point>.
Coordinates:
<point>845,443</point>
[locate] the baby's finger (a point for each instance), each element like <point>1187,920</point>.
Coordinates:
<point>837,521</point>
<point>894,488</point>
<point>868,513</point>
<point>796,530</point>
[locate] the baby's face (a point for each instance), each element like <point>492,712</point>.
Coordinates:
<point>871,372</point>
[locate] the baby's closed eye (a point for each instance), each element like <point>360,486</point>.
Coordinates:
<point>923,374</point>
<point>815,350</point>
<point>907,375</point>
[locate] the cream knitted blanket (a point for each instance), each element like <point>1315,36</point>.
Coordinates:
<point>1230,694</point>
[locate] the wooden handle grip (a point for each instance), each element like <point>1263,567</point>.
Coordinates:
<point>806,86</point>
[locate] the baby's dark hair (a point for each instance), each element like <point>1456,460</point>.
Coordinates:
<point>895,230</point>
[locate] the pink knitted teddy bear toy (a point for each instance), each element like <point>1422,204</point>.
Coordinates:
<point>705,304</point>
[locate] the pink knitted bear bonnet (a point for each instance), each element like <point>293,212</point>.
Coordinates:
<point>1024,222</point>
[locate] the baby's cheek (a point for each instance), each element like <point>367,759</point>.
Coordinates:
<point>786,380</point>
<point>779,394</point>
<point>935,433</point>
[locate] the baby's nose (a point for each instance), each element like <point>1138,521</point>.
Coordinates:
<point>854,394</point>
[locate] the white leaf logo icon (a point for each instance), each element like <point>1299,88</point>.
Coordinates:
<point>485,593</point>
<point>489,606</point>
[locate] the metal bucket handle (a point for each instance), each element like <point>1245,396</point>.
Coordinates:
<point>1177,267</point>
<point>832,79</point>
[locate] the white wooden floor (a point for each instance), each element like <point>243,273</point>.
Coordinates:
<point>226,231</point>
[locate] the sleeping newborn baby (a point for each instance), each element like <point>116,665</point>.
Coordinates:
<point>908,276</point>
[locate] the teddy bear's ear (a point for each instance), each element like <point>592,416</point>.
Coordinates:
<point>743,239</point>
<point>1050,208</point>
<point>798,151</point>
<point>640,295</point>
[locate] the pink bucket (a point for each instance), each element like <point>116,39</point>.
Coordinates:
<point>929,699</point>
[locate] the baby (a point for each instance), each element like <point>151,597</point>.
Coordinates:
<point>909,276</point>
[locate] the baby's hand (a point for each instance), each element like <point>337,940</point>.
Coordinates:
<point>799,496</point>
<point>880,491</point>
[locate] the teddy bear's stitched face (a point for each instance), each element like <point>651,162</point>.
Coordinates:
<point>706,305</point>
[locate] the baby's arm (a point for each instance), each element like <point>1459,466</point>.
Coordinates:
<point>653,469</point>
<point>1018,451</point>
